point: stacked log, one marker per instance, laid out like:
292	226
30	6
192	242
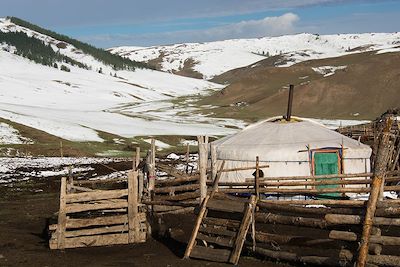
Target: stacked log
177	193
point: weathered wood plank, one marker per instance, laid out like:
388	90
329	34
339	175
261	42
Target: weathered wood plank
62	215
178	197
356	219
98	221
219	240
197	224
226	205
211	254
179	188
217	231
96	195
290	220
99	205
244	227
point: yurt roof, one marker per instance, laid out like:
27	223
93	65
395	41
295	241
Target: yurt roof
275	139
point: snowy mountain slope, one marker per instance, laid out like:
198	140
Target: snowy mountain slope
75	105
214	58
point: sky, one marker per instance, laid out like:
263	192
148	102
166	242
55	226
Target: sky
109	23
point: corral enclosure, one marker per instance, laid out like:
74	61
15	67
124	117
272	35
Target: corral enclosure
328	219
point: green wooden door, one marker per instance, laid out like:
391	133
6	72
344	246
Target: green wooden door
325	164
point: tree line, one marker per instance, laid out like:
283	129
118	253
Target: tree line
116	61
36	50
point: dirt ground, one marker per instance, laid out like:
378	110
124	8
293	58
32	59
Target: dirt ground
25	208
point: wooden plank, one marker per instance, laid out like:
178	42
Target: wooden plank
97	240
180	188
226	205
244	227
62	215
133	206
169	203
307	210
80	188
217	231
216	181
337	219
100	205
221	222
203	159
197	224
97	231
98	221
342	258
375	239
207	253
290	220
96	195
256	179
177	181
384	260
218	240
178	197
355	175
351	203
301	183
244	169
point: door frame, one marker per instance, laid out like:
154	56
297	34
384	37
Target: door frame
339	153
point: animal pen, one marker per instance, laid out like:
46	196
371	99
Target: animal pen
338	218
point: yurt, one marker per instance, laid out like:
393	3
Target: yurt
299	147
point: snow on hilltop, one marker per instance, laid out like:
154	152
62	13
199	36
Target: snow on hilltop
214	58
75	105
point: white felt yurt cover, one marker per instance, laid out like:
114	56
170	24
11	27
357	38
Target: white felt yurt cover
283	141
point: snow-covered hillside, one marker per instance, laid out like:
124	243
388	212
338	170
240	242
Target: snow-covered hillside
214	58
75	105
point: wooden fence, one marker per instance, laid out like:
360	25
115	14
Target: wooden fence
90	217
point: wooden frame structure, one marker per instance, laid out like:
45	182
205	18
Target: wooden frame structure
90	217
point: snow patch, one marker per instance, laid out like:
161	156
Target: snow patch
328	70
9	135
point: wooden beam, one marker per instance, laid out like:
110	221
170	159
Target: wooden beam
197	224
62	215
244	227
98	205
376	191
133	223
96	195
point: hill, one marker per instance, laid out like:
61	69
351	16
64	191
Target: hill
357	86
207	60
91	101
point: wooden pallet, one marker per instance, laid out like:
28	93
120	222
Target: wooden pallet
220	237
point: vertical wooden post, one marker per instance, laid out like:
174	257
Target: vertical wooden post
216	181
187	157
62	215
133	206
203	157
61	149
376	192
213	162
141	185
152	167
256	179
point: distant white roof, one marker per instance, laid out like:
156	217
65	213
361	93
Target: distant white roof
283	141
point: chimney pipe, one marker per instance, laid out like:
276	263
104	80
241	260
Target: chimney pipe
290	102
